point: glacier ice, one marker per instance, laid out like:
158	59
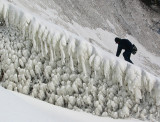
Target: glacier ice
56	66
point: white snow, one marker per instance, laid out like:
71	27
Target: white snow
16	107
80	76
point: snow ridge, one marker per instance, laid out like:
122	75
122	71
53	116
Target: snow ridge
55	66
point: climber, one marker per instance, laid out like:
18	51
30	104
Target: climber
127	46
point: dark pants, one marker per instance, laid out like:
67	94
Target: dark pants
127	55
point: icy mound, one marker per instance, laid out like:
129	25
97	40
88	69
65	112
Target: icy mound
58	67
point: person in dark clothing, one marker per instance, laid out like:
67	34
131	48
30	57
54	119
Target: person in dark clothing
127	46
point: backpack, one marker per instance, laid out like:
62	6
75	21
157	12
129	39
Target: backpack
134	49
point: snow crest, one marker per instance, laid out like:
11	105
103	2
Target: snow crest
57	67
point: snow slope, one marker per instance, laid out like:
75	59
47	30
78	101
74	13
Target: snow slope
47	62
21	108
100	22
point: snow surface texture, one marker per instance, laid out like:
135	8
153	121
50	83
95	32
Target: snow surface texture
100	22
60	68
17	107
120	17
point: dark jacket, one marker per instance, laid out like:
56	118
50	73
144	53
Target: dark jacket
124	44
